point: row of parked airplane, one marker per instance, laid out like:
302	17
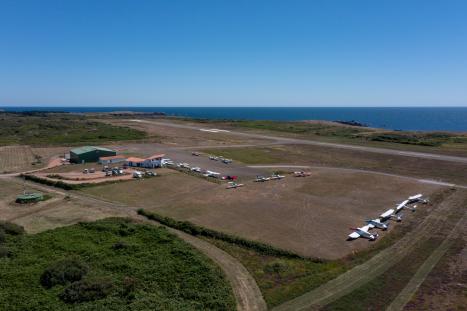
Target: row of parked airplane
382	221
273	177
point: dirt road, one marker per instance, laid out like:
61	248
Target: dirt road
384	260
284	140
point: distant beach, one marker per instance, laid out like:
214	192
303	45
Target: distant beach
395	118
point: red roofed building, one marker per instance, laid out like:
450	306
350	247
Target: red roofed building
151	162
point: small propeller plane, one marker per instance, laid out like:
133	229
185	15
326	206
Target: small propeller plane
377	223
233	185
362	233
211	174
417	198
301	174
277	176
403	205
262	179
390	214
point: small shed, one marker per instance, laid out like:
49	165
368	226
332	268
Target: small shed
29	198
90	154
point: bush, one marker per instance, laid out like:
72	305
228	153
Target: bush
2	236
63	272
276	266
4	252
87	290
11	228
128	287
119	245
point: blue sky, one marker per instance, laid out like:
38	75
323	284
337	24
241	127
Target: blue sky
233	53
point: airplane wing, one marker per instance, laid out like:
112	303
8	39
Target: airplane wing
417	196
354	235
401	206
366	228
387	213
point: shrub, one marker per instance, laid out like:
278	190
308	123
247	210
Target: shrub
119	245
2	236
276	266
4	252
128	287
63	272
11	228
87	290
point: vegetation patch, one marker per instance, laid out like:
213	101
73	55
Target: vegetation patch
37	128
282	278
381	291
66	186
80	268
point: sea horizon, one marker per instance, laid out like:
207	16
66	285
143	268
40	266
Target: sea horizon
417	118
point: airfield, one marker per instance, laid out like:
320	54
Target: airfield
310	216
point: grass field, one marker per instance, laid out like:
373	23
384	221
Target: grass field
283	277
331	157
59	129
126	266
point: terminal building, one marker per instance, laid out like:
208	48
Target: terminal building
90	154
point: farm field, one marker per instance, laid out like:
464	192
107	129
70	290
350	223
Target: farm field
15	158
109	264
309	216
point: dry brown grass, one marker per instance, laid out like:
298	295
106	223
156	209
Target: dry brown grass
310	216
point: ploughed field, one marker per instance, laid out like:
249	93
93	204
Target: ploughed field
310	216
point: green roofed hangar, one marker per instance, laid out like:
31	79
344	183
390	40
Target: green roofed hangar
89	154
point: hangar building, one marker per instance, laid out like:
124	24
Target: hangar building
89	154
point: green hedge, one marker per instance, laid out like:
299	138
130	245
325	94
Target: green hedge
196	230
66	186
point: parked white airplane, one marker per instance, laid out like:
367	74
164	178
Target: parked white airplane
403	205
417	198
262	178
377	223
363	233
211	174
390	214
277	176
233	185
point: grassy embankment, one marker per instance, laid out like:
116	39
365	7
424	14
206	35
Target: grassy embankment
112	264
282	275
59	129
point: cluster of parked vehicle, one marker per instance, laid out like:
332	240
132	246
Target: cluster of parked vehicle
115	171
139	174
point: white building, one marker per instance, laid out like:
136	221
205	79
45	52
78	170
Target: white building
151	162
112	159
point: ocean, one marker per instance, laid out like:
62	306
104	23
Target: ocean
395	118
